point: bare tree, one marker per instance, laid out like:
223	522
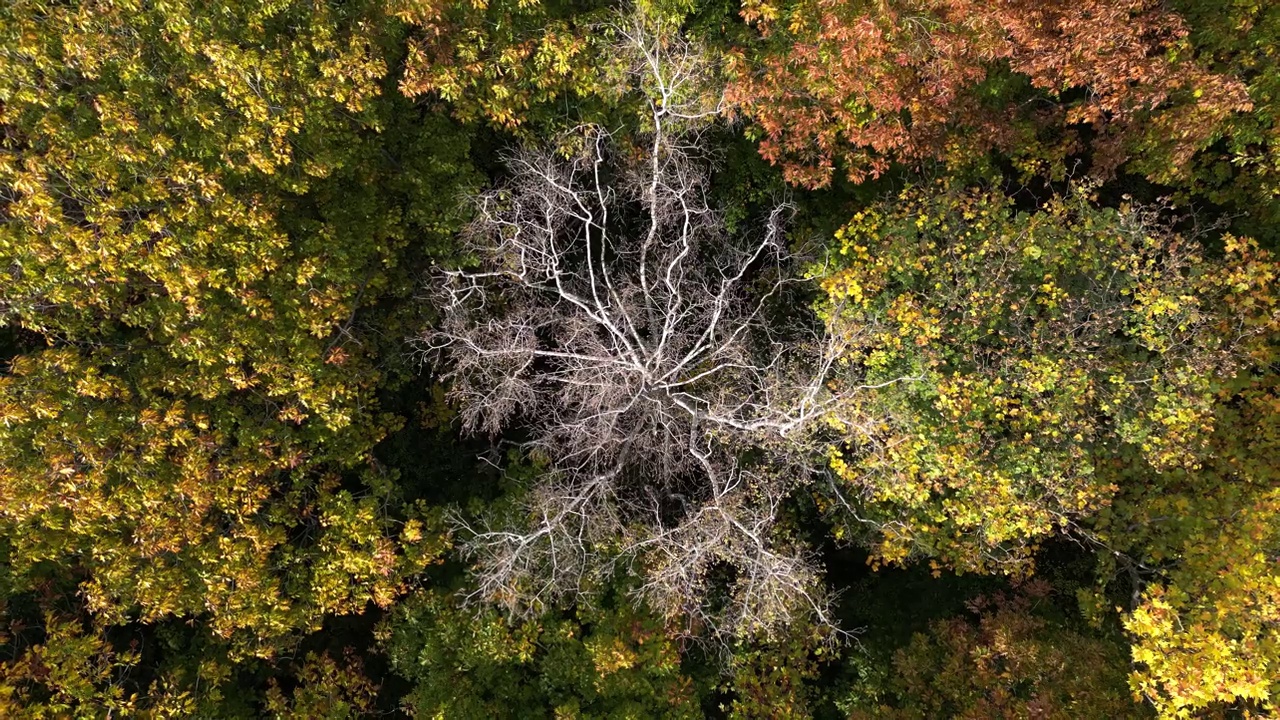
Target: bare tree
658	363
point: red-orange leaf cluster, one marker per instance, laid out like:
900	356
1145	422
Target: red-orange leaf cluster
867	84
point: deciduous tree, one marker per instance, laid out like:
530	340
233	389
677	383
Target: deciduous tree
197	214
1046	344
1194	553
516	64
640	346
1006	660
872	83
610	661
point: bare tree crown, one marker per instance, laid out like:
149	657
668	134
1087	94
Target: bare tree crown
640	346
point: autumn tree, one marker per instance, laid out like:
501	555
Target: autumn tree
79	668
1047	344
1193	560
325	688
518	65
218	226
71	670
197	216
1240	173
867	84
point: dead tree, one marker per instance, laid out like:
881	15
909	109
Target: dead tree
659	364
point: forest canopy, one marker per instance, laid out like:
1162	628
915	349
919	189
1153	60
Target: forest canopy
811	358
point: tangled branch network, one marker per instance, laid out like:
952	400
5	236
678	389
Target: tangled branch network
657	361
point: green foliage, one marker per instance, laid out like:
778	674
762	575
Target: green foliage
326	690
85	670
514	63
70	674
778	678
615	661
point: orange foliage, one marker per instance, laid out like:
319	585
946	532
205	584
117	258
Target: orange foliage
870	84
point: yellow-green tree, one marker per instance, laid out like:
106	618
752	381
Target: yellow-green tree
200	208
1001	357
513	63
1197	553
